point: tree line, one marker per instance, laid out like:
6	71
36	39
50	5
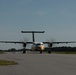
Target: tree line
61	49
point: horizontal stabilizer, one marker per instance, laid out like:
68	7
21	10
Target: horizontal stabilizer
32	31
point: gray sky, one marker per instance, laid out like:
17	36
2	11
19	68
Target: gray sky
56	17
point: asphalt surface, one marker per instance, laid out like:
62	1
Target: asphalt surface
39	64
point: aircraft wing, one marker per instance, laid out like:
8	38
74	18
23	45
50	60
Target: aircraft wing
59	42
15	42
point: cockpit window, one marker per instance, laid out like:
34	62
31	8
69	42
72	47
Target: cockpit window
38	44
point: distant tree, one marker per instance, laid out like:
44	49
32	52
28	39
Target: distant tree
12	50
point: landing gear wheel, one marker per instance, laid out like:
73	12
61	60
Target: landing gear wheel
24	51
49	52
40	52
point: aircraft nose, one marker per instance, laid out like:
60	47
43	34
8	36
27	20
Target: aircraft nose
41	47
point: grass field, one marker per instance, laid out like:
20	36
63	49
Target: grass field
1	52
7	62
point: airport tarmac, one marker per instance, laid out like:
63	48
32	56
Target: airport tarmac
39	64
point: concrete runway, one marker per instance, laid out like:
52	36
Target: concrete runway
39	64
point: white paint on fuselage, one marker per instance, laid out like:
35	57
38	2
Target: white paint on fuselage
38	46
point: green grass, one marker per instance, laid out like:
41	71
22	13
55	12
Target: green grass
6	63
1	52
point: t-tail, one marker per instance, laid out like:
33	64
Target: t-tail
33	36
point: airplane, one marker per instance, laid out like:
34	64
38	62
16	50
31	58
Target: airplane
36	46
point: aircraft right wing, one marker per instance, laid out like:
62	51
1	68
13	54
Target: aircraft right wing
16	42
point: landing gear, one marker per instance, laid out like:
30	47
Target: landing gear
24	51
40	51
49	52
24	48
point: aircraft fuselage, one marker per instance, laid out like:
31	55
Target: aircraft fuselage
38	46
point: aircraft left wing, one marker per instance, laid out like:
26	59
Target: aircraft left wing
59	42
50	44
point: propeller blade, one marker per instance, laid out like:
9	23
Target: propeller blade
24	40
51	42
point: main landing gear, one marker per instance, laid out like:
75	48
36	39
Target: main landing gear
24	51
49	52
40	51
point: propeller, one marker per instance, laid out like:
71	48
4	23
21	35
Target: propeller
51	44
24	45
24	42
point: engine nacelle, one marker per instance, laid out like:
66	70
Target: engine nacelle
24	44
50	45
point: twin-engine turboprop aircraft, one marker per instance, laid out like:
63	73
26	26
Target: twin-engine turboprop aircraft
36	46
